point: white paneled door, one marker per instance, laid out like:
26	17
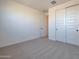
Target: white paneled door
72	24
60	25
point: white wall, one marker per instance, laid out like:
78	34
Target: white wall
51	26
19	23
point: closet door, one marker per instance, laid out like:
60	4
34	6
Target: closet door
60	25
72	24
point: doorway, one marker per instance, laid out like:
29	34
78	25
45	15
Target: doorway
46	25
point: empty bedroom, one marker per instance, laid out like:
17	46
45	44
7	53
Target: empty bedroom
39	29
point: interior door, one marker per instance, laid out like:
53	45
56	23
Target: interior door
72	24
60	25
42	27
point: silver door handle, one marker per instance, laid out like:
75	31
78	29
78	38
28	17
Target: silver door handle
77	30
41	28
56	29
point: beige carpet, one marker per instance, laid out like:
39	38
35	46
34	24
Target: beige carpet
40	49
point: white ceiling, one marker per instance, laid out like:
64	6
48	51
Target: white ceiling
42	5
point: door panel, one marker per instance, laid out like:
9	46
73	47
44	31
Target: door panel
72	24
42	27
60	25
